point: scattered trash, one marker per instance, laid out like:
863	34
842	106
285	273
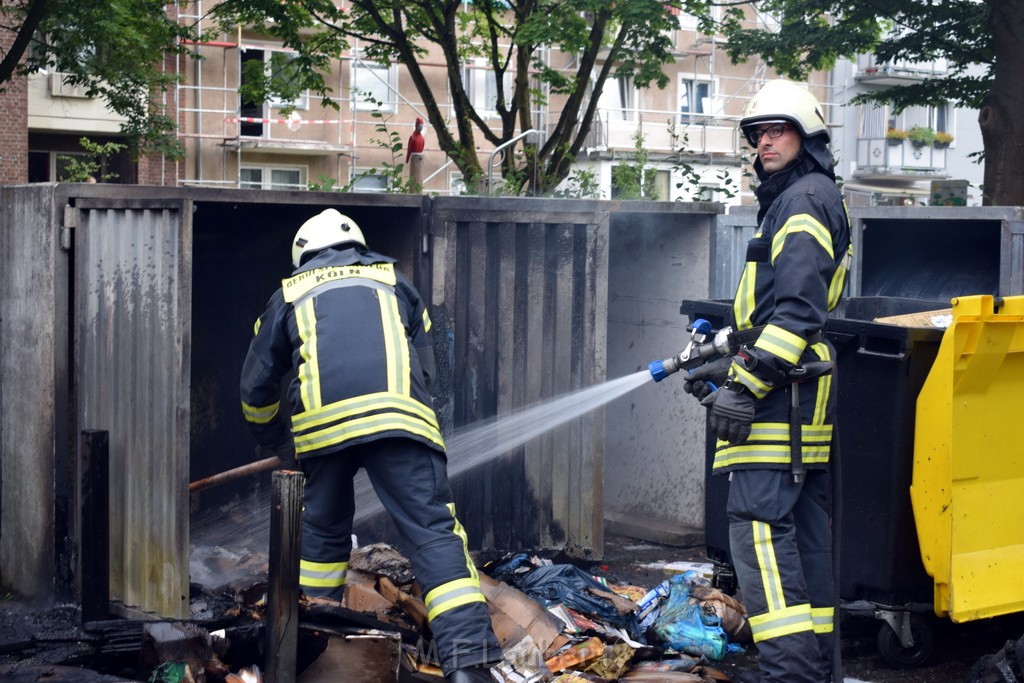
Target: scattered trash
684	624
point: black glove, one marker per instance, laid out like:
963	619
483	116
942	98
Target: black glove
286	451
732	413
696	382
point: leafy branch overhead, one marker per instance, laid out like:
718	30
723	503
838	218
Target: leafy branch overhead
114	48
533	50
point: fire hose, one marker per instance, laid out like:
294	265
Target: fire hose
235	473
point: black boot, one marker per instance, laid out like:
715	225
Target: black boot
472	674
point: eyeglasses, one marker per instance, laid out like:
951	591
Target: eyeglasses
773	131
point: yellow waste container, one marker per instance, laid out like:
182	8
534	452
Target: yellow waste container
967	488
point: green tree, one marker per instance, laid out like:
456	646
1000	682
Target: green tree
980	39
510	38
115	48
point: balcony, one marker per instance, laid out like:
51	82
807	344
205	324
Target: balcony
703	134
882	158
897	72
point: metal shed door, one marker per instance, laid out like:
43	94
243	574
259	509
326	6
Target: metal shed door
132	325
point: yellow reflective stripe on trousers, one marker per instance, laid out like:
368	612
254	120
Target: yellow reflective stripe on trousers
322	574
365	426
802	222
451	595
823	619
781	622
260	415
460	531
771	580
396	344
362	404
781	343
309	372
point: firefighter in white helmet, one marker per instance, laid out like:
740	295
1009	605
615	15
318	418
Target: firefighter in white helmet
358	335
779	510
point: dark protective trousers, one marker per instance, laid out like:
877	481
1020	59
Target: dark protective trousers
412	483
781	540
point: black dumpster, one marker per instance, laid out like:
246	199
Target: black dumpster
880	370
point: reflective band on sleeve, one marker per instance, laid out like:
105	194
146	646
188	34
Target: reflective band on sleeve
823	619
451	595
256	327
802	223
426	321
322	574
260	415
781	343
781	622
743	306
758	387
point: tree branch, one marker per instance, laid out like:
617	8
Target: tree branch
37	11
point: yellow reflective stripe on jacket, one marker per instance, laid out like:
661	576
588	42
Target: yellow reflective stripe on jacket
322	574
362	404
309	372
783	622
766	454
781	343
295	287
256	326
838	283
365	426
823	619
743	304
802	222
426	321
396	344
451	595
460	531
824	387
260	415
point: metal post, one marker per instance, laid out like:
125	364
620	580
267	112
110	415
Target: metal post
95	545
283	575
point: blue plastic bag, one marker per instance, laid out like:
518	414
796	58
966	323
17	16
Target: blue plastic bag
682	624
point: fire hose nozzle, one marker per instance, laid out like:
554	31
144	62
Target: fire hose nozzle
660	369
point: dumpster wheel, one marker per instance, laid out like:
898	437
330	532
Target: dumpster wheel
919	651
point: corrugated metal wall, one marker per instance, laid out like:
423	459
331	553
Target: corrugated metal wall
519	295
133	289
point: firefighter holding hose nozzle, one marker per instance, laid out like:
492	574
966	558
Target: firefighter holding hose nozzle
774	408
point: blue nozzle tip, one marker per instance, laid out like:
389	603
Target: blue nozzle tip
657	368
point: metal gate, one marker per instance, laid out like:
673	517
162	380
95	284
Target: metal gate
132	346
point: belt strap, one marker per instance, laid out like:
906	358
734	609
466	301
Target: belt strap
749	336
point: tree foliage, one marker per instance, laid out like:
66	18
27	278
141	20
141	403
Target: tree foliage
980	41
510	38
115	48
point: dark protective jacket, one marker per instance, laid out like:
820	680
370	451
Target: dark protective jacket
358	336
795	272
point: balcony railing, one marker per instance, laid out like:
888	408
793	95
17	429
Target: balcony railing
897	70
898	157
664	132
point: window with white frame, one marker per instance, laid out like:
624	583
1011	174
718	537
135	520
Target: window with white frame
374	86
280	68
456	184
369	182
618	99
694	100
267	177
482	86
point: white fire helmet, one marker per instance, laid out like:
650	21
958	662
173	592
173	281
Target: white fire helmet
784	100
325	229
